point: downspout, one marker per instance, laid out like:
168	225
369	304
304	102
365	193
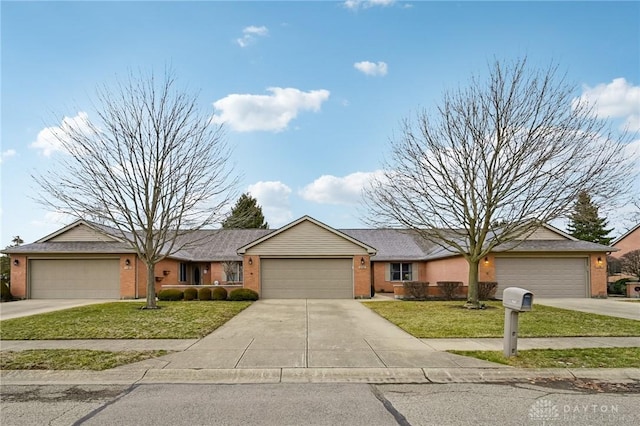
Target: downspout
136	275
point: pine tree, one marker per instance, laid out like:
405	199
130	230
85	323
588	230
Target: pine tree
246	214
585	224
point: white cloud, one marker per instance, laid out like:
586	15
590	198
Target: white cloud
329	189
246	113
273	197
250	34
365	4
53	221
371	68
618	99
49	139
7	154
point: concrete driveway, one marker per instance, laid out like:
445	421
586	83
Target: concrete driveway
24	308
612	307
312	333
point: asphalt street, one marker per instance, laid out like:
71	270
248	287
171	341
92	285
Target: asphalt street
535	403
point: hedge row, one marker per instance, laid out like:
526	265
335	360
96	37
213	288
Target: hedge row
218	293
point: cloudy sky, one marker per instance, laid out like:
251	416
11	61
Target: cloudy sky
310	92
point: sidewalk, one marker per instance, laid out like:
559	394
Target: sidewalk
441	345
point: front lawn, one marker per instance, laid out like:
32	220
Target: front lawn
124	320
449	319
71	359
564	358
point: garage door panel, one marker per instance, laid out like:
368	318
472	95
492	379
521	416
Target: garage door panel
74	279
307	279
545	277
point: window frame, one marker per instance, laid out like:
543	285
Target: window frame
183	274
404	269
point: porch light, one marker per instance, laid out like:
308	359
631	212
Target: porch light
599	261
127	262
250	261
206	270
362	261
486	260
16	262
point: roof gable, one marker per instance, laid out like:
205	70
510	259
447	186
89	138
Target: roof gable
307	236
548	232
79	231
631	231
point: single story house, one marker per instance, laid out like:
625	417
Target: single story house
304	259
625	243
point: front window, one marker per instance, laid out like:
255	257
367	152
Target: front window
401	272
233	271
183	272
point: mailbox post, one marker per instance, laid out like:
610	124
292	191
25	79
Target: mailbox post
514	300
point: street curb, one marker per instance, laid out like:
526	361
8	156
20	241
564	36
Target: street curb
312	375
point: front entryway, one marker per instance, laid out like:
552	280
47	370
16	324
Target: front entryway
307	279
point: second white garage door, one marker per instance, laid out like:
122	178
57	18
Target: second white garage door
307	279
74	279
544	277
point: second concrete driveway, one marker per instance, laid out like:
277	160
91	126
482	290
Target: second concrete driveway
312	333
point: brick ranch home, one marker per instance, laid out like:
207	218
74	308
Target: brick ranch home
304	259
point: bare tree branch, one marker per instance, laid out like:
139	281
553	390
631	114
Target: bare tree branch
151	166
494	161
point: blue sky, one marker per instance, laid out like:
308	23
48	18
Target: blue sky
327	82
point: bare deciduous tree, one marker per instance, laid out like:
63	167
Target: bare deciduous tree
630	263
494	161
152	166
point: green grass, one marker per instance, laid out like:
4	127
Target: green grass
71	359
564	358
124	320
449	319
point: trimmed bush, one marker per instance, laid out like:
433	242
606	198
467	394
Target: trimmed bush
449	288
243	294
487	290
204	294
618	287
5	293
219	293
171	295
190	293
415	290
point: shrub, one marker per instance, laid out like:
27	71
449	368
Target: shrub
243	294
219	293
618	287
5	293
171	294
204	294
449	288
415	290
487	290
190	293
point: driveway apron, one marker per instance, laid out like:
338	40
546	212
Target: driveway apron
307	333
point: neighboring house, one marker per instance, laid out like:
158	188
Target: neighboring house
304	259
627	242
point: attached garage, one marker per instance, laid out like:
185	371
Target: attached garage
74	279
544	276
307	279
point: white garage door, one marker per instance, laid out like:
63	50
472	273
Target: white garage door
544	277
307	279
74	279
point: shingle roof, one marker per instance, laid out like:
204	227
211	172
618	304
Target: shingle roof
71	248
222	245
391	244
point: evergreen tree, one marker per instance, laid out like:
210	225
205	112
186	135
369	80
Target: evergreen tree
585	224
246	214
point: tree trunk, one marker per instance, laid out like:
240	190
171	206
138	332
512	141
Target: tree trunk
472	294
151	287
